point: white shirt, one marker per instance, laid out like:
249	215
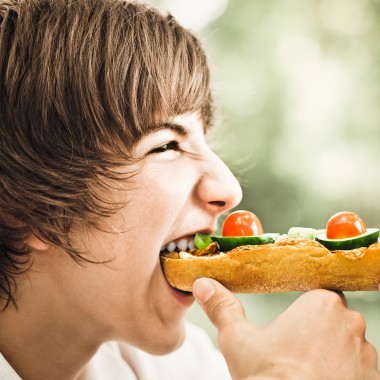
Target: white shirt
196	359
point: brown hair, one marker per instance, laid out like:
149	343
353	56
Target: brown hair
81	81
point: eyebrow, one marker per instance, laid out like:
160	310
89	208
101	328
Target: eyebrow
180	129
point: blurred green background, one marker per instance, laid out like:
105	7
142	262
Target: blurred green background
298	89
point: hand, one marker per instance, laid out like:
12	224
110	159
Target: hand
317	337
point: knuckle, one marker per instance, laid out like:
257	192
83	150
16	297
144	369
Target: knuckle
220	304
358	322
328	299
371	353
332	299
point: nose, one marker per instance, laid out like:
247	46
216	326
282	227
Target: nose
218	189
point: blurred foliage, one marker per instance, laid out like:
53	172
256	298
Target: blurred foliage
297	84
298	88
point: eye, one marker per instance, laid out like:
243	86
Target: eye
172	145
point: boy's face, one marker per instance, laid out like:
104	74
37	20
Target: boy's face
182	187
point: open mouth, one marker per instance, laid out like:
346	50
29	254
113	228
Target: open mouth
184	248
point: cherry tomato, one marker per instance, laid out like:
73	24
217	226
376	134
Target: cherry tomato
242	223
344	225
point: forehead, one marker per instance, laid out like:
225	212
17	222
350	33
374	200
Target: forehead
189	121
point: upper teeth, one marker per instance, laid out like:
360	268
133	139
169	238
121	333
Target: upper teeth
181	245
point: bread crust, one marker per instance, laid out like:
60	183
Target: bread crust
294	264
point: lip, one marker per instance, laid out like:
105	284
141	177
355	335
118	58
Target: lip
185	298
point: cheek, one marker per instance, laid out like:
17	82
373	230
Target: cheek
138	230
158	201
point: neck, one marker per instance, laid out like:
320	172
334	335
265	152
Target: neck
43	339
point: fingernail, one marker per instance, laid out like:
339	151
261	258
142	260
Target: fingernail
203	289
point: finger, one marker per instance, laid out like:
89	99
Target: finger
342	297
320	297
371	356
220	305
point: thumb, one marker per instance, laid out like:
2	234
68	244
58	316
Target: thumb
220	305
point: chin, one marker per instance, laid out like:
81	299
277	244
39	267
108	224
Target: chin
166	342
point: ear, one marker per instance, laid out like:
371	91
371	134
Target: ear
36	244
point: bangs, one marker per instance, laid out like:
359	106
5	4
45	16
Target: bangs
165	74
109	75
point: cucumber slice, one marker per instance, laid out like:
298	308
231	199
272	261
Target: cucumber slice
309	233
202	241
226	243
364	240
273	235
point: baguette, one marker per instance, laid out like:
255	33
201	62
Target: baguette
293	264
